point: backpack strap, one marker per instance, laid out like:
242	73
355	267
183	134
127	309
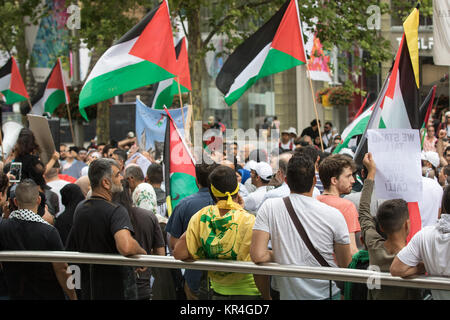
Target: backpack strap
298	225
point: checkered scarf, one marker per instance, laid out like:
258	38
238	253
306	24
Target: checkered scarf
27	215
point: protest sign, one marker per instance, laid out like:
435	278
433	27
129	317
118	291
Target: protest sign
141	161
41	130
396	153
151	127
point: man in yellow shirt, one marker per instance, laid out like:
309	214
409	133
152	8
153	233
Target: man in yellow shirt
223	231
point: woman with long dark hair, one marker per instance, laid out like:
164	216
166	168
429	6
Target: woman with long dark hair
147	233
71	196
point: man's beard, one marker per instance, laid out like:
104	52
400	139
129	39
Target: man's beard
116	188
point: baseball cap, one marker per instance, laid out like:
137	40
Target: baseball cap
447	114
292	130
348	152
264	170
432	157
251	165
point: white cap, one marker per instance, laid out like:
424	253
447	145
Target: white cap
432	157
348	152
264	170
251	165
292	130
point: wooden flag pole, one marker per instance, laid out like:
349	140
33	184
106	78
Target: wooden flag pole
70	123
315	107
1	144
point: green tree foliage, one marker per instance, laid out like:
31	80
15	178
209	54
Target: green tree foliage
338	23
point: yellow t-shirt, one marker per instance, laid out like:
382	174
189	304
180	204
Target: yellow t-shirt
228	237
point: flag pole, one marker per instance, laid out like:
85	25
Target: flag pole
315	107
1	144
70	123
181	102
29	103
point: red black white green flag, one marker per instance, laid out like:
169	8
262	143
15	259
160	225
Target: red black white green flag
277	46
164	91
397	107
12	87
143	56
53	92
179	166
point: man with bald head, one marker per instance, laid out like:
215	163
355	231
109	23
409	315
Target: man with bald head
84	184
26	230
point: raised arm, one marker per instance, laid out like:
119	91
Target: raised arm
366	220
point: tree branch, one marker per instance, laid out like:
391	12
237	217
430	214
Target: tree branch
182	24
221	22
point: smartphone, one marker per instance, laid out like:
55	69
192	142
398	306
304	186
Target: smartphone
16	171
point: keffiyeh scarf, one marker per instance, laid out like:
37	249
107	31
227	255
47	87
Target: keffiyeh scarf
27	215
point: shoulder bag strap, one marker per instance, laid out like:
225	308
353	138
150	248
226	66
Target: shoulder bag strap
298	225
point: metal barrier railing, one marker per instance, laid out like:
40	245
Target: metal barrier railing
323	273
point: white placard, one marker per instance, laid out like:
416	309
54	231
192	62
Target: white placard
396	153
142	162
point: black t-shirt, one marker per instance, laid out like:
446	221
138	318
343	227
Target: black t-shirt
30	280
149	236
94	224
310	132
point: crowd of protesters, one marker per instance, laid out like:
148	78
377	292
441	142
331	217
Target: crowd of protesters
249	206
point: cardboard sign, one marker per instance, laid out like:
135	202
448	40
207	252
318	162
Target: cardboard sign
41	130
396	153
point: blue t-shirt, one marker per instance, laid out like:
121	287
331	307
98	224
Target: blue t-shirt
178	223
75	169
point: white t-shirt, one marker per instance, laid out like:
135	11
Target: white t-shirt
56	187
324	225
431	201
254	199
432	246
287	146
84	171
283	191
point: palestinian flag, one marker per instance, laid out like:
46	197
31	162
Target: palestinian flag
363	108
53	92
425	111
167	89
359	125
179	166
12	87
427	105
277	46
143	56
398	106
